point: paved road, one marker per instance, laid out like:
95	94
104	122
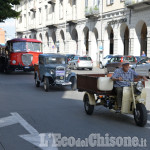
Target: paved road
58	111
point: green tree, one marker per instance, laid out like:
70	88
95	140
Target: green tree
7	9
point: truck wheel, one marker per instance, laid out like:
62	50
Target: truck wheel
37	83
141	116
73	80
89	109
46	84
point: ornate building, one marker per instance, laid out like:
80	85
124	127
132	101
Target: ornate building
87	27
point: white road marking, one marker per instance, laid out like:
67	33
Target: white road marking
34	136
25	124
7	121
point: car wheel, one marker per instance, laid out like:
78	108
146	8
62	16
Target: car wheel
46	84
101	66
140	116
89	109
73	80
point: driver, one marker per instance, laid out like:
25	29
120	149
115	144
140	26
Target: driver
124	73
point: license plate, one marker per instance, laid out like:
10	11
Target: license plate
60	73
26	67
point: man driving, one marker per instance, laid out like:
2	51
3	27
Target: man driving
121	74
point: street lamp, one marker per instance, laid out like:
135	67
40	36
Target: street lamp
57	45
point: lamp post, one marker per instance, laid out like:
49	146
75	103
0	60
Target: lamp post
57	45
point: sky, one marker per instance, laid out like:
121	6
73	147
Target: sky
9	27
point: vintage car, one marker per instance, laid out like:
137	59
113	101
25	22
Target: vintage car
53	70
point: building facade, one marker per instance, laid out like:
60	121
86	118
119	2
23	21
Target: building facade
2	36
87	27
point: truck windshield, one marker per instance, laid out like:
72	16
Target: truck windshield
26	46
55	60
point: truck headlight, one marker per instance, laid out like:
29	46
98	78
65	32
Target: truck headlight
52	71
139	86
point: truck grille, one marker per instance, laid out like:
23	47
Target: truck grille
27	59
60	73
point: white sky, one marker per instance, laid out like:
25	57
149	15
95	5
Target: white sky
9	27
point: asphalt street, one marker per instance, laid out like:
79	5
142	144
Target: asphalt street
58	111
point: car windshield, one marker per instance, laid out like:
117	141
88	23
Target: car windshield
130	59
55	60
115	59
85	58
143	61
26	46
108	56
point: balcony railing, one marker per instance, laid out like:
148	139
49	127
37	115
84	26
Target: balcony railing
130	3
92	12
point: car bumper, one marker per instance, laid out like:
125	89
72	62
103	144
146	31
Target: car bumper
63	83
19	67
85	66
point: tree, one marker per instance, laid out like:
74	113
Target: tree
7	9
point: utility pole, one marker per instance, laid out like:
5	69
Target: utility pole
102	45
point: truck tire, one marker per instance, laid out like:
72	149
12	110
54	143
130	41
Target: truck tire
73	80
141	116
89	109
46	84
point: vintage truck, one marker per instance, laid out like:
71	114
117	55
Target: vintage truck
53	70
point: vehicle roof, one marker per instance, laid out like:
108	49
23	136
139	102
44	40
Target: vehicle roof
24	40
123	56
52	55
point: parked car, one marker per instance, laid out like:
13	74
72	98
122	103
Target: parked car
80	62
116	62
105	60
142	67
53	70
70	57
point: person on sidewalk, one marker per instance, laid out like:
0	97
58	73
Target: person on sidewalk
121	74
143	54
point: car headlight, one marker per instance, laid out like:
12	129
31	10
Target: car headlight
68	72
139	86
52	71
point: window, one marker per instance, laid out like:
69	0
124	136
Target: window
96	2
73	2
110	2
61	9
41	60
86	3
40	16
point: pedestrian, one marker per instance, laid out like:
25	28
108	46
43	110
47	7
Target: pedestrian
143	54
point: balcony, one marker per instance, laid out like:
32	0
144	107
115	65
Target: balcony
32	27
92	12
52	2
50	23
137	3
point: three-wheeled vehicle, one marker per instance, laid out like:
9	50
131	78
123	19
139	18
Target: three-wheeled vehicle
53	70
99	91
